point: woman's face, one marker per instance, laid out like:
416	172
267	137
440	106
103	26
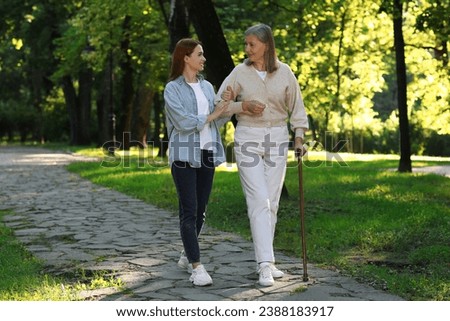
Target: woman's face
196	60
255	49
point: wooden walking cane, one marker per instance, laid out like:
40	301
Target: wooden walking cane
302	213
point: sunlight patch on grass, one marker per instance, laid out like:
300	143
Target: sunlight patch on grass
227	167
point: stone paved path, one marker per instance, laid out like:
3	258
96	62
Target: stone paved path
71	224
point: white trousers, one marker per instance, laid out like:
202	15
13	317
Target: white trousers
261	156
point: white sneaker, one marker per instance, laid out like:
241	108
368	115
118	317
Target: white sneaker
183	263
200	277
276	274
265	275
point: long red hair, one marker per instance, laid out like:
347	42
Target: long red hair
183	48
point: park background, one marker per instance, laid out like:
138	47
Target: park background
374	74
374	77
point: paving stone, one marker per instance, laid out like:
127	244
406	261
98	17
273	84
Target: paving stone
147	261
152	287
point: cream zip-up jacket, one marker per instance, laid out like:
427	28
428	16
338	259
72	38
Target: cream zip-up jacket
280	92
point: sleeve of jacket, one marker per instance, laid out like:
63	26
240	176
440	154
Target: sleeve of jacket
222	119
234	107
294	102
178	114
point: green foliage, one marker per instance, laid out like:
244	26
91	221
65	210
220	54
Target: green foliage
97	29
433	17
340	50
17	116
55	122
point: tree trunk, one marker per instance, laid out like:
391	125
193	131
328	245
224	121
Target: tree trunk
39	89
84	107
178	23
104	108
127	87
79	107
210	33
70	97
178	29
141	117
209	30
399	43
162	144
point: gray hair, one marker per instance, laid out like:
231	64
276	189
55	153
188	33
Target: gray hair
264	34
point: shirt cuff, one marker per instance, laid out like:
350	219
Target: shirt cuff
234	108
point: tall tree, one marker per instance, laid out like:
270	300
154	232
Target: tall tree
178	22
78	106
219	62
399	44
127	95
178	25
209	30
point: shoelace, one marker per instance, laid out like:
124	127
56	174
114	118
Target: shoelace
266	272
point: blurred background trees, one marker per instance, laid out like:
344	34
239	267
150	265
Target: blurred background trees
89	72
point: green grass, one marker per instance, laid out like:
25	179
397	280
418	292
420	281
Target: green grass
385	228
23	278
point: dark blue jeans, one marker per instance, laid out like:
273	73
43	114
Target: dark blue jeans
193	188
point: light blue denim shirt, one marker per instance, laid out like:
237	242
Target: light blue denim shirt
184	124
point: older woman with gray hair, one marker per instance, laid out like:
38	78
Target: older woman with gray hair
269	95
